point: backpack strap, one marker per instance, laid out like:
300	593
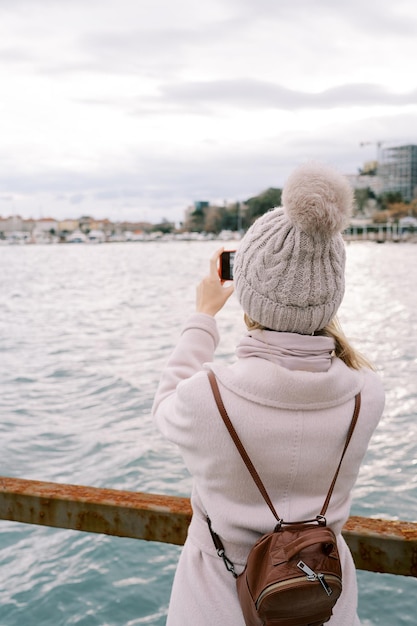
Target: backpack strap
241	449
348	438
239	445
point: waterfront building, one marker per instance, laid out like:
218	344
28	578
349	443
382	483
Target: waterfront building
398	170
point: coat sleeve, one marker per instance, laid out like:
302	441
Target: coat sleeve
196	346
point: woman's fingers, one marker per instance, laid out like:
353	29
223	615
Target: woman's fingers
214	263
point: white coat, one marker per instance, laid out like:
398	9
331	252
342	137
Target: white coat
293	424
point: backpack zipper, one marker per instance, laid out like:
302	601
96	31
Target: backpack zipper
294	582
311	575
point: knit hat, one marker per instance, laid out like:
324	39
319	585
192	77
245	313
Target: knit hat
289	268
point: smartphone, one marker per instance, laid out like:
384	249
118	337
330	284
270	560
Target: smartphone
227	259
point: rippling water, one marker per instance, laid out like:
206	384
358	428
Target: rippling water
84	334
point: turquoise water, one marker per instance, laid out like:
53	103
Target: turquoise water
84	334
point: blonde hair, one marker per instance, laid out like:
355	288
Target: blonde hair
343	349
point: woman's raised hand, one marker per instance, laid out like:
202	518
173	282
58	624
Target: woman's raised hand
212	294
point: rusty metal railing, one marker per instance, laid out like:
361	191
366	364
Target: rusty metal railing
377	545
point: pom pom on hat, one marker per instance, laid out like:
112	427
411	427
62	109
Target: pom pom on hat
289	267
318	200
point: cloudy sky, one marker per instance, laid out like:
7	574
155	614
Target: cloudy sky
133	109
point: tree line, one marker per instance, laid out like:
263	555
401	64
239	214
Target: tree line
234	216
239	216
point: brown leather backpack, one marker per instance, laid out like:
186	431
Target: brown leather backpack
293	575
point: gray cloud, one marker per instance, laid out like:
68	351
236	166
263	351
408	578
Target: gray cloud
146	51
384	16
162	50
255	94
204	98
77	198
119	194
139	52
15	55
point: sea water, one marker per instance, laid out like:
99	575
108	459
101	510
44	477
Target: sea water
84	333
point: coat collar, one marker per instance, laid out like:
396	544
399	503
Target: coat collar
270	384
